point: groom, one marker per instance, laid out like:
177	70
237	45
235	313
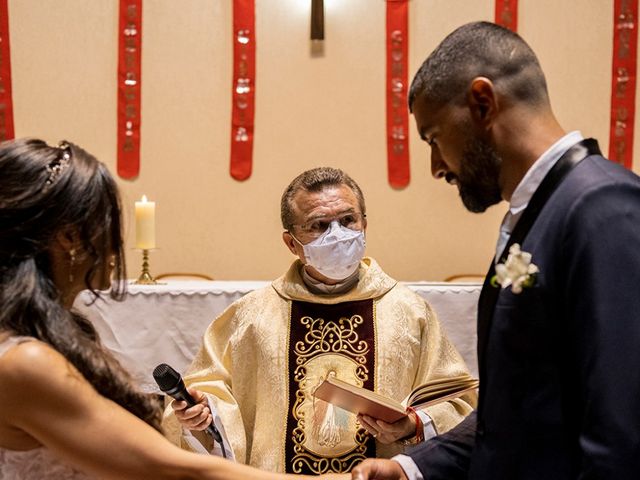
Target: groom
559	325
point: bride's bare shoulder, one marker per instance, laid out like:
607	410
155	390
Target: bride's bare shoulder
32	364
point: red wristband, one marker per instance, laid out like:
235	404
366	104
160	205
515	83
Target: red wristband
419	436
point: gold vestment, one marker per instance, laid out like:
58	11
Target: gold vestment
244	367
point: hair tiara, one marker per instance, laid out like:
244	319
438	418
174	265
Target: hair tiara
57	165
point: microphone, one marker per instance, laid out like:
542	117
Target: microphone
171	383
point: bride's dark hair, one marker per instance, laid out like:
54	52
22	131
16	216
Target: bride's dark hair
45	189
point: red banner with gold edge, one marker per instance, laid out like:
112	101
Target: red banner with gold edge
129	87
507	14
623	81
244	87
6	99
397	78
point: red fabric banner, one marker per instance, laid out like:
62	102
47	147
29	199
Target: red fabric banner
244	88
129	87
397	79
6	101
507	14
623	81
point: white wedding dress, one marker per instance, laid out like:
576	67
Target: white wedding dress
36	464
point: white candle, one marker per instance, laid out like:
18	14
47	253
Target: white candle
145	224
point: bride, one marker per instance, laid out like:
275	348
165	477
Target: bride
68	410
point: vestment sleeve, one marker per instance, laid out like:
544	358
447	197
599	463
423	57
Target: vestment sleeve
440	359
210	374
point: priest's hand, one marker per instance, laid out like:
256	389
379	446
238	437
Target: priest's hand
378	469
197	417
389	432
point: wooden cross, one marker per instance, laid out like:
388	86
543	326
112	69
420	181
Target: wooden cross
317	19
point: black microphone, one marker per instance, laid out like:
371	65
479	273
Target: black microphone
171	383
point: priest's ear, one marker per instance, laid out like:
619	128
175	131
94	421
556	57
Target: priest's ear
290	242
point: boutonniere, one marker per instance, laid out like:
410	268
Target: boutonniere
517	271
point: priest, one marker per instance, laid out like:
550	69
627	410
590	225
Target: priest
334	312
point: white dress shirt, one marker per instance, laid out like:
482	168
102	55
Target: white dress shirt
530	183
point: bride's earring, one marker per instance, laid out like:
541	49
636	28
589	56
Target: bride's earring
72	263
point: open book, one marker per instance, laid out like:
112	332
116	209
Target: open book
360	400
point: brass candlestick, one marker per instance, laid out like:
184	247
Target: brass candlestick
145	277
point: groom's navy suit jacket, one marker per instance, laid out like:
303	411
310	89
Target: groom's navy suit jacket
560	362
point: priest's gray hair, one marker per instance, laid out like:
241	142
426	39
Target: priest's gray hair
316	180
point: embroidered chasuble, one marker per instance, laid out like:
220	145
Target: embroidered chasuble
263	356
328	340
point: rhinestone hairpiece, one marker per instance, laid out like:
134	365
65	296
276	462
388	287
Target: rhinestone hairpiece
57	165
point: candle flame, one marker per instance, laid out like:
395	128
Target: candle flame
144	199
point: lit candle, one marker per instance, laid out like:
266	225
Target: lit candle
145	224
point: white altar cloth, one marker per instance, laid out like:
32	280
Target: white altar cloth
165	323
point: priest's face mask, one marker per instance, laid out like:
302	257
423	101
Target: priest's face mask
328	235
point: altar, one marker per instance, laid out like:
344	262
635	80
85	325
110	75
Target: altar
165	323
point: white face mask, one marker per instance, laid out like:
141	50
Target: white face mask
336	253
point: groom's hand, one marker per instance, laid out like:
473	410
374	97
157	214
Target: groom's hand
378	469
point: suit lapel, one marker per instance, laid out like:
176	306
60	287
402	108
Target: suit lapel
489	293
486	304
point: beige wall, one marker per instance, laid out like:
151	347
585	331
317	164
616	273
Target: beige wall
310	111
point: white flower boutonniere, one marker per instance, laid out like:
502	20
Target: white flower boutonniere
517	272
